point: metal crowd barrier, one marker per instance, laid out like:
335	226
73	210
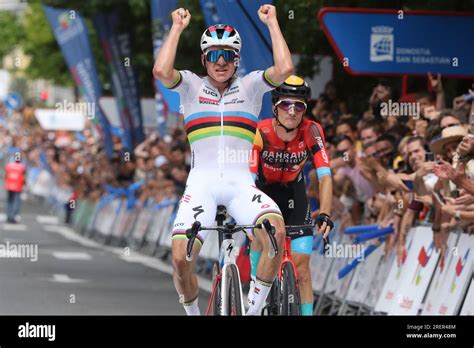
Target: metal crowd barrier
422	285
343	284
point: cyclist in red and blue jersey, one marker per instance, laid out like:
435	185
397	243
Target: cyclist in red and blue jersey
281	148
220	115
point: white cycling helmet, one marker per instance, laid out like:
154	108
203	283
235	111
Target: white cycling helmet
220	35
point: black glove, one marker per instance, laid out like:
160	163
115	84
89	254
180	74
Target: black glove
322	217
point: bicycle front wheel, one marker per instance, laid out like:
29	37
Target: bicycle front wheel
216	296
290	296
234	298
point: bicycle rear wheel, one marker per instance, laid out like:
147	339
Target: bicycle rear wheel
234	298
273	307
290	303
216	299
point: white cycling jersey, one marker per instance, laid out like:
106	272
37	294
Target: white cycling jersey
221	130
221	127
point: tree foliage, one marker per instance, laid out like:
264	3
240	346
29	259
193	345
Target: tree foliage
297	19
11	33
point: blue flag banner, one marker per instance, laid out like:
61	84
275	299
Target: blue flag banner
396	42
161	24
117	50
71	34
256	51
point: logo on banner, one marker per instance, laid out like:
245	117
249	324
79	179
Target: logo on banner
459	268
381	44
68	28
64	20
423	258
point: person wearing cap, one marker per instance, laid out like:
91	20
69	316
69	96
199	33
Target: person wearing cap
220	116
445	148
281	148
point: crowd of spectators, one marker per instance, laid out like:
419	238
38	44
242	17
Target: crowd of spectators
78	163
402	166
392	168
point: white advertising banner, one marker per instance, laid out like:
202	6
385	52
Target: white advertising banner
468	306
389	290
361	284
439	278
380	277
52	119
458	277
420	265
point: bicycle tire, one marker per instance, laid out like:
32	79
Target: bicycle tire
272	307
234	299
216	300
290	303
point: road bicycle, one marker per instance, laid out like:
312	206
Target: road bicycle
226	296
284	297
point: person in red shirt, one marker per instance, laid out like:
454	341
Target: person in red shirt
14	181
282	145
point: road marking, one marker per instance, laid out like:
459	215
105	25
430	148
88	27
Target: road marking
47	219
13	227
66	255
3	217
64	278
70	234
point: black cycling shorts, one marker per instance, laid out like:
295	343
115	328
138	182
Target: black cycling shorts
293	203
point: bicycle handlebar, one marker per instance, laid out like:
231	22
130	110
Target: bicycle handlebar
191	234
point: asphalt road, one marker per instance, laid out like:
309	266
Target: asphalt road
75	276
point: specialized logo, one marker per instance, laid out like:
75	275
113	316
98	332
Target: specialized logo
230	248
257	198
381	44
198	211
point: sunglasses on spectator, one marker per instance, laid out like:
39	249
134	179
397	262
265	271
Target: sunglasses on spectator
213	56
286	104
451	125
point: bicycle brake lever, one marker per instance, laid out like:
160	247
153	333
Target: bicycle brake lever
191	234
273	251
325	245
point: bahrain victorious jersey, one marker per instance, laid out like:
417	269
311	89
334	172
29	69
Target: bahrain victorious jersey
274	160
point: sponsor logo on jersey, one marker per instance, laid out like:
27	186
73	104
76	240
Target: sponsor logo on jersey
323	150
231	92
209	92
284	157
235	101
203	100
